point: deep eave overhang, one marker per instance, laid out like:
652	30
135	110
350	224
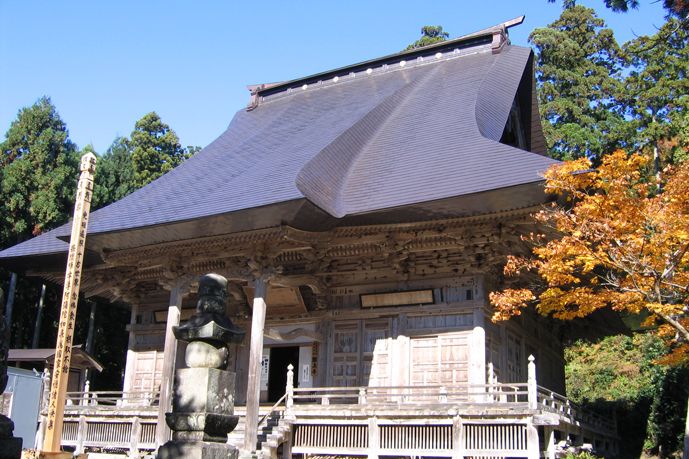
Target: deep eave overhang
299	213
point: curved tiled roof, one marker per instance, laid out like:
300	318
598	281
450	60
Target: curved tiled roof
363	141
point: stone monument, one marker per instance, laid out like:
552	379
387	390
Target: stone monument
10	446
203	394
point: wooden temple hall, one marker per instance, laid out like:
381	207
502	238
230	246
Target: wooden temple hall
372	208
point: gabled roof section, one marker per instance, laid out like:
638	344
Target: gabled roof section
412	128
80	358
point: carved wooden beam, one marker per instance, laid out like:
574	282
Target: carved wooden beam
310	280
275	334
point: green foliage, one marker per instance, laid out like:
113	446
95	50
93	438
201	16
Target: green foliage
129	164
620	373
115	174
655	95
581	455
429	35
38	176
155	149
668	412
578	73
674	8
618	368
39	168
596	97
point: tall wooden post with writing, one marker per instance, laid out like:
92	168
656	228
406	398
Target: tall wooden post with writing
70	297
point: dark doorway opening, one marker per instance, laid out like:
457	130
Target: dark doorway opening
280	357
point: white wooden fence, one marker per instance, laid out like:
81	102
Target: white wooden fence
488	420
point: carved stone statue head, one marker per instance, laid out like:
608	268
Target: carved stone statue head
210	322
212	294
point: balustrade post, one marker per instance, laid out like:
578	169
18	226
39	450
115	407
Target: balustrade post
491	381
134	438
81	435
532	441
362	396
532	384
45	399
289	390
549	433
373	438
458	451
87	389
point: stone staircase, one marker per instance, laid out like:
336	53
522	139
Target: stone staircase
272	433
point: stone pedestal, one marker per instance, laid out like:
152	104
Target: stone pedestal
10	447
197	450
203	394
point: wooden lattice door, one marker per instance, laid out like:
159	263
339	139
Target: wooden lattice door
439	360
360	353
346	356
148	370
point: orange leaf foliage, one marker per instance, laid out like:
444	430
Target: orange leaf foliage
620	242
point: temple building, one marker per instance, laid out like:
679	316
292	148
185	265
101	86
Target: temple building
370	210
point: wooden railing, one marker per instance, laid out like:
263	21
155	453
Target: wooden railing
110	420
112	400
555	403
127	421
110	431
494	394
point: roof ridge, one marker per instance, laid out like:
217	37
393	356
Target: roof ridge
497	36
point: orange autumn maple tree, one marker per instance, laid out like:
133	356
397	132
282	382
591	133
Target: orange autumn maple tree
620	240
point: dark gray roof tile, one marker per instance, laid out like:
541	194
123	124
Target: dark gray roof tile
397	137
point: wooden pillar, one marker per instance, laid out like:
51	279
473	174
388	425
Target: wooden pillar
289	392
169	359
39	319
70	296
9	306
458	451
134	438
82	431
532	384
89	342
549	433
92	326
477	364
532	443
129	365
253	389
373	438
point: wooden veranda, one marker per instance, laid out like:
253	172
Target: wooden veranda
490	420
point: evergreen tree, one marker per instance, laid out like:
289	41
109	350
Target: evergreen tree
155	149
578	72
429	35
675	8
115	177
38	176
655	94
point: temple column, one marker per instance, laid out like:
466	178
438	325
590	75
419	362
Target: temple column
178	289
477	358
129	366
253	390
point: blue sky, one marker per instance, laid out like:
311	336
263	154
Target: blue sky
107	63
